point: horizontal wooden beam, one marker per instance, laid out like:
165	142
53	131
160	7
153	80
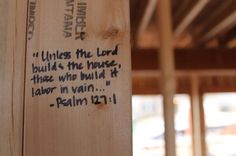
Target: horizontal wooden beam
187	59
150	84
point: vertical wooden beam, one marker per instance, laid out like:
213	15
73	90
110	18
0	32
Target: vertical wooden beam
78	52
198	123
5	108
12	65
167	73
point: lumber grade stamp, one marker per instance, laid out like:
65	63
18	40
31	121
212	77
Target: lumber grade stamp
78	85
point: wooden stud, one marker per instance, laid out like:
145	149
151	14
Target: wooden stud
89	111
198	124
167	73
12	65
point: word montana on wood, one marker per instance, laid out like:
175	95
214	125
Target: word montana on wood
78	85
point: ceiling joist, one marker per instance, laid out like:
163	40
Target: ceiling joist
186	21
151	6
224	25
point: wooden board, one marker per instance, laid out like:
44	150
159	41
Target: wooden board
12	66
78	83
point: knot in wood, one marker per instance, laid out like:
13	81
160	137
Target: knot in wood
110	33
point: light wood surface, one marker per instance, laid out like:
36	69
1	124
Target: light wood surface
12	65
167	73
54	129
198	120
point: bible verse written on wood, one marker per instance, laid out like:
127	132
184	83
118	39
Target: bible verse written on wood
78	74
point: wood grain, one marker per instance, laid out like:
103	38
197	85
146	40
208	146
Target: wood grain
87	130
12	65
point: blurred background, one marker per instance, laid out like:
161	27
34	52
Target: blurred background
220	120
204	45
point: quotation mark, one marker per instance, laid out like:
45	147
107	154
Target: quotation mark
36	54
